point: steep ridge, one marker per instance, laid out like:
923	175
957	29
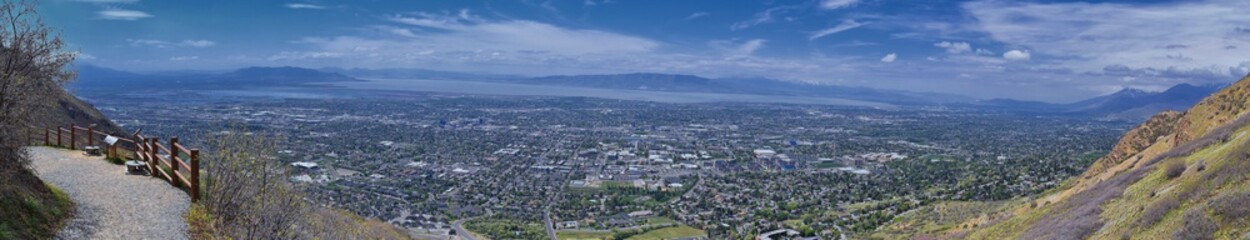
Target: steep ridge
1163	179
72	110
1134	141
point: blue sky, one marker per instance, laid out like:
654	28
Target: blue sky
1056	51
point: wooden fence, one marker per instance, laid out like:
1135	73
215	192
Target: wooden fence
173	162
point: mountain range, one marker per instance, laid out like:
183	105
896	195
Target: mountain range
1127	104
104	79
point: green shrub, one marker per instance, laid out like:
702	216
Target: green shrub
1174	169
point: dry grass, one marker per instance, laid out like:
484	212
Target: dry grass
1157	210
200	223
1232	207
1197	226
936	219
247	197
1080	212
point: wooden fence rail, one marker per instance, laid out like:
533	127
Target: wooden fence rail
173	162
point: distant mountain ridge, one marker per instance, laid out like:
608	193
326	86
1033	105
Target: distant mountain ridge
1127	104
414	73
1178	97
757	86
98	78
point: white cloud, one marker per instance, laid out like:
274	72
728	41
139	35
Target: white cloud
889	58
763	17
467	32
1016	55
304	6
147	43
197	43
84	56
845	25
446	21
1091	36
697	15
107	1
856	43
165	44
123	14
836	4
593	2
751	46
954	47
184	58
398	31
300	56
464	42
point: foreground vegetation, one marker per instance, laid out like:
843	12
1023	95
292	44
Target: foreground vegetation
29	209
670	233
500	228
31	78
645	233
1179	176
247	197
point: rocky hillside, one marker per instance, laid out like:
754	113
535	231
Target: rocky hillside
72	110
1178	176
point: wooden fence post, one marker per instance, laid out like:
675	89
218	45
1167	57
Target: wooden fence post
173	160
195	175
152	156
47	133
90	136
147	155
72	137
58	136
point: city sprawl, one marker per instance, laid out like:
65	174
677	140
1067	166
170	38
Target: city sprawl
513	165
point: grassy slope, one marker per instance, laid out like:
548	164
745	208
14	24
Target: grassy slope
937	219
582	235
330	223
1143	152
670	233
1119	214
30	209
1225	172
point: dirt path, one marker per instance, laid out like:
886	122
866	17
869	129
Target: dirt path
111	204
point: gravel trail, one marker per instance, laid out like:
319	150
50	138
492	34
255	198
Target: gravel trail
111	204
